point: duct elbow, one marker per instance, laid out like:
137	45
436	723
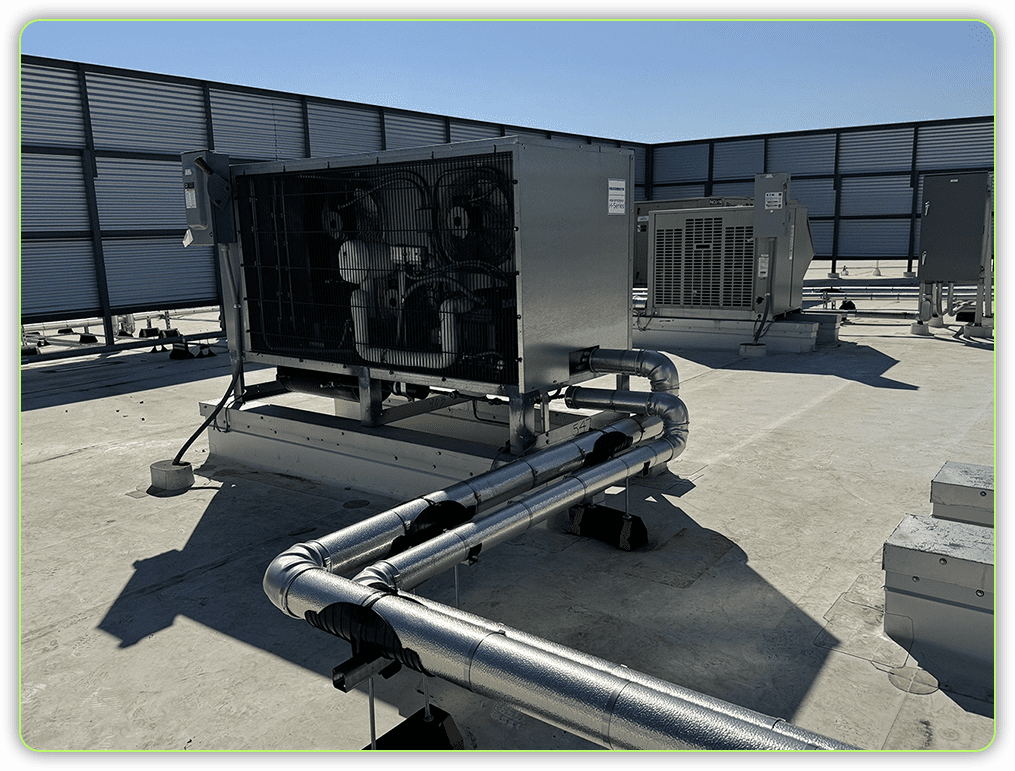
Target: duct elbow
659	368
285	569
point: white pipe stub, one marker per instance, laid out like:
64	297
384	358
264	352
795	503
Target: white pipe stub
169	475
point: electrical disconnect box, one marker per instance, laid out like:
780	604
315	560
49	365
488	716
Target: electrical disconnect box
729	258
955	227
207	198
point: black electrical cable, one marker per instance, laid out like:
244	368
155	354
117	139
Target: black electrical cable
209	419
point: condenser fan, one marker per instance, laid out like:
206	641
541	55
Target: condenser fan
353	215
475	216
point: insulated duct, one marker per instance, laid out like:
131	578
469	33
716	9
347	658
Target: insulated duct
602	702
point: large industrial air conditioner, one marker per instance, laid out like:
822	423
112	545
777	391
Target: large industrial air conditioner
487	268
726	258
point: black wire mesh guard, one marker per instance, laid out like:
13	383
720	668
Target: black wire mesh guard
407	265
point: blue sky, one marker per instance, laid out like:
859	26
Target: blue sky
639	80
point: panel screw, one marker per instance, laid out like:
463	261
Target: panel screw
943	561
979	592
916	578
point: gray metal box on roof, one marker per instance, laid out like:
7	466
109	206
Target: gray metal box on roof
954	226
964	492
939	595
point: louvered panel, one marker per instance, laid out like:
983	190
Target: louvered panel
738	267
874	238
723	189
702	261
680	163
640	163
342	129
667	270
741	158
51	107
139	195
410	130
58	278
257	126
952	147
865	196
466	131
880	150
145	114
158	273
527	134
52	194
801	155
818	195
677	192
822	237
567	139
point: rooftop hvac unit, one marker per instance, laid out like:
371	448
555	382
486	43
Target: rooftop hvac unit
728	258
490	267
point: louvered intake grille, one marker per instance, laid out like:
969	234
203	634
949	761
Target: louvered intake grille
705	263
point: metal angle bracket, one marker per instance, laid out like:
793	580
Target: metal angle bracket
360	668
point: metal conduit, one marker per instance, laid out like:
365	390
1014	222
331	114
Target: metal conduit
602	702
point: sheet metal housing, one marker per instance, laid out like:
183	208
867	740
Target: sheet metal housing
376	263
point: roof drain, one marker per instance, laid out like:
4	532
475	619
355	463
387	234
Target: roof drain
599	701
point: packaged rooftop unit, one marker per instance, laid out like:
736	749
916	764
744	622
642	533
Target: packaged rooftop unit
728	258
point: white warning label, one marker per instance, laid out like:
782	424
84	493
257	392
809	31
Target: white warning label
616	196
773	200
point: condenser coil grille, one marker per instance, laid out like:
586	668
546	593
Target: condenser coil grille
409	265
704	263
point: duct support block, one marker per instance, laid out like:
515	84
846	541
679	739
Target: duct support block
752	350
418	732
169	476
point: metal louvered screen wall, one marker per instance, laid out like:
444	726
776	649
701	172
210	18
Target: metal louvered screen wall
862	186
102	207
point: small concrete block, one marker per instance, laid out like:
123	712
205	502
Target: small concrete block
752	350
167	475
920	329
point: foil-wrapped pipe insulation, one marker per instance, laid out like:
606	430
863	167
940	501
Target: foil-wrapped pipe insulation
603	702
614	707
360	544
657	367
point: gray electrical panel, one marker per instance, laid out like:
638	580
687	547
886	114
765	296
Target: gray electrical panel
954	227
772	212
207	198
